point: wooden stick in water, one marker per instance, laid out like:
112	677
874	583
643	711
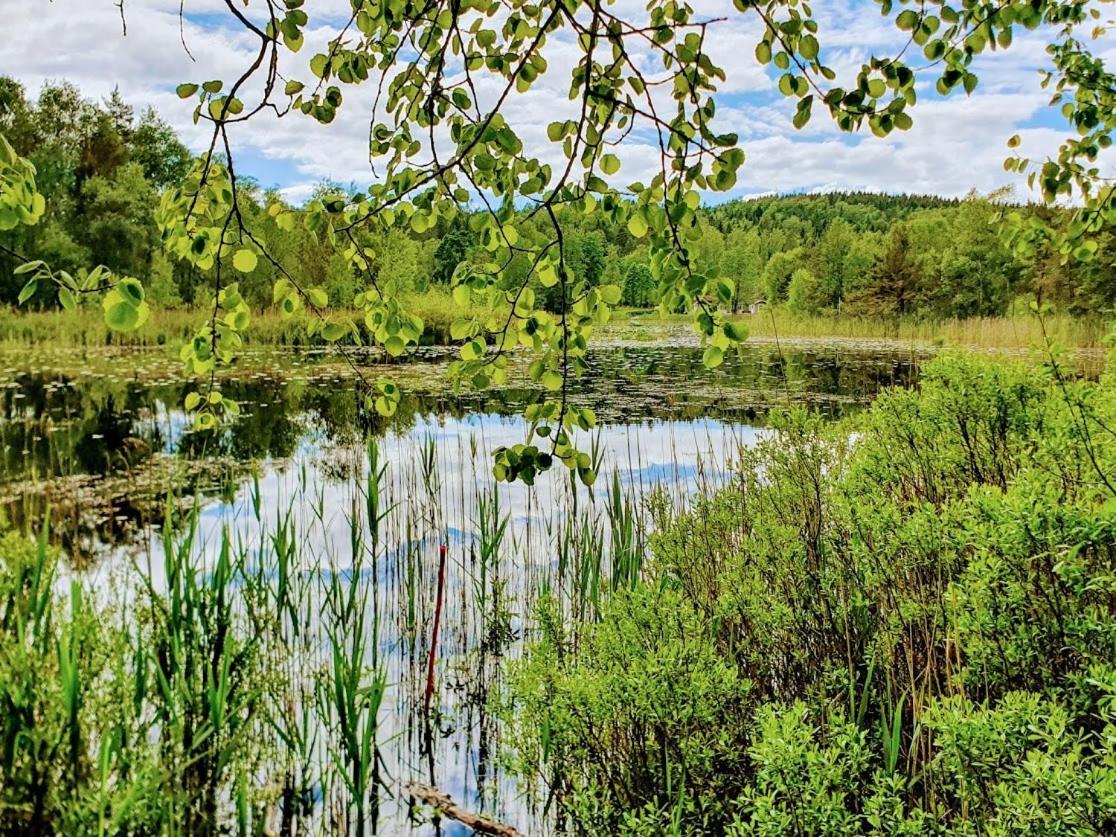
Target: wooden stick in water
444	803
434	634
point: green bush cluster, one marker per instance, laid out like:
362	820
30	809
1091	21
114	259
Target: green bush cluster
903	623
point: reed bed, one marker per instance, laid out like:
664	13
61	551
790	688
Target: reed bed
286	659
1021	331
174	326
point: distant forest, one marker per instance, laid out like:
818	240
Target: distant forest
102	168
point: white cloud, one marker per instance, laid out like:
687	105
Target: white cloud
956	144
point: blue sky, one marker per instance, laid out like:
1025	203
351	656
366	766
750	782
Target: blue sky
957	144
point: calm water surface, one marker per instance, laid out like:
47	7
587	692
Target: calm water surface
103	444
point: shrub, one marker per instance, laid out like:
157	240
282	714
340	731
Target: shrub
921	602
642	718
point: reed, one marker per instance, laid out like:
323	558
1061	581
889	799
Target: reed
1020	331
174	326
279	668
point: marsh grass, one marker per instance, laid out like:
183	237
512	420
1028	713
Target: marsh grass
286	665
1021	331
174	326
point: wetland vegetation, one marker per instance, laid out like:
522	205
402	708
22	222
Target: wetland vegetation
498	496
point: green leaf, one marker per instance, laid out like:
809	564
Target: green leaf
122	316
245	260
552	380
66	298
610	164
185	91
907	20
334	332
610	293
713	357
637	225
548	275
130	290
460	329
28	291
472	350
736	332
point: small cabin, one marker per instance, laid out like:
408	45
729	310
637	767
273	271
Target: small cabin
757	306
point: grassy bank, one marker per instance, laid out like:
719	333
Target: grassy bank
1018	331
172	326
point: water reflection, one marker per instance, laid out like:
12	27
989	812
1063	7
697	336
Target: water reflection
56	424
106	451
560	539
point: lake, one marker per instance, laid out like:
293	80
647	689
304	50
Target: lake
400	515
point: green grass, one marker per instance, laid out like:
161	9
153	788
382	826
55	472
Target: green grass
173	326
1018	331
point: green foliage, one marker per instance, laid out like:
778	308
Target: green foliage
895	285
920	601
641	713
20	203
192	701
443	153
778	272
639	286
805	293
156	148
451	251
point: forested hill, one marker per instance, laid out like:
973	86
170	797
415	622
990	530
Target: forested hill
863	211
102	168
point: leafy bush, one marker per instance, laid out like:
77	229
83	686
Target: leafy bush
921	602
639	715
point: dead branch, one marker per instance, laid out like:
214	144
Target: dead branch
445	805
